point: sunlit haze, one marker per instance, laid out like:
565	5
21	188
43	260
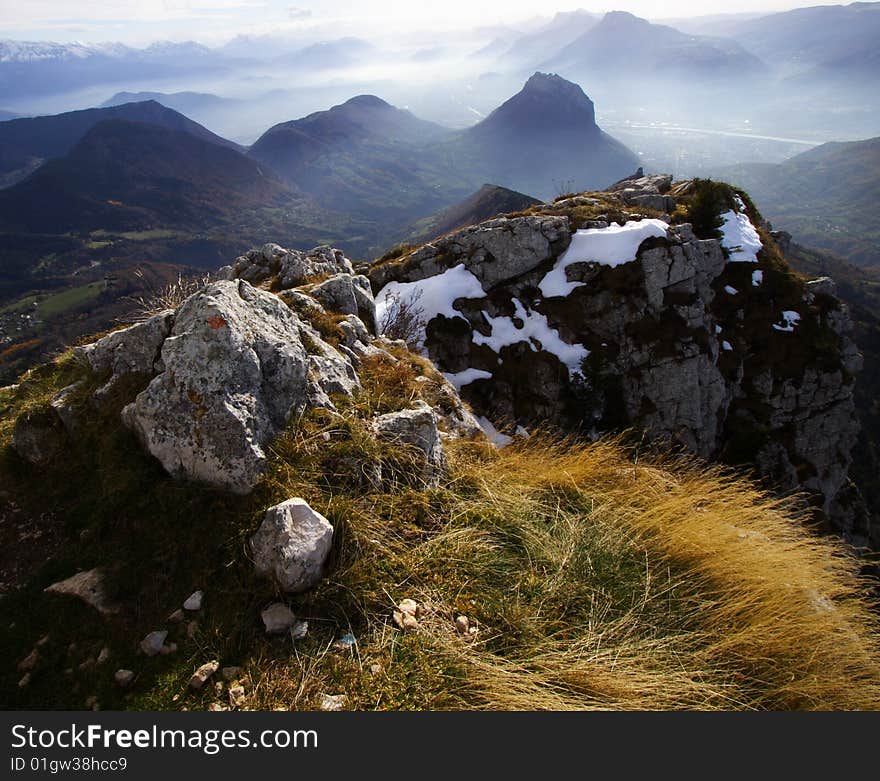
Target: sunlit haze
140	22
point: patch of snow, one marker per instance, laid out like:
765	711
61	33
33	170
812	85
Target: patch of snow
739	237
732	291
438	294
757	278
535	328
790	319
493	434
611	246
466	377
726	346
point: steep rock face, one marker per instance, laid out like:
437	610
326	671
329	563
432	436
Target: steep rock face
643	324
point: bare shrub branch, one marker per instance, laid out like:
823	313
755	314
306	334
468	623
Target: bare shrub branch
159	299
403	318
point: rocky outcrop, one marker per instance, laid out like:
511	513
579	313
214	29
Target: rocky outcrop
289	267
230	368
642	324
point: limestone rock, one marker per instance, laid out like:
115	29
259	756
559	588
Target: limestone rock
332	702
655	343
194	601
237	697
89	586
290	267
495	251
234	371
292	544
132	350
38	437
277	618
417	429
153	643
202	674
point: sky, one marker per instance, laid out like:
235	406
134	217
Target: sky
139	22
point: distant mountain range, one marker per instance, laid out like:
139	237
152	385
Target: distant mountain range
364	156
144	167
826	197
543	141
25	144
804	38
125	175
367	156
622	45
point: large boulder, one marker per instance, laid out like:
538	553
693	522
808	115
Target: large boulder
292	544
494	251
234	369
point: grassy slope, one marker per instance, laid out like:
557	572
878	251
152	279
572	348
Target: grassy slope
597	579
825	197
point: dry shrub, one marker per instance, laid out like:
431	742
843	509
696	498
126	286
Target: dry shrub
160	299
403	318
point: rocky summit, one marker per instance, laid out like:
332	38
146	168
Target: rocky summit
606	311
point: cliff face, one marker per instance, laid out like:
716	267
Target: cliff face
631	321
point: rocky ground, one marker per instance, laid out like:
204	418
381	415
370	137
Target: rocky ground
255	499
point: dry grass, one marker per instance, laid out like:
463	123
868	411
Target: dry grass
160	299
596	579
595	584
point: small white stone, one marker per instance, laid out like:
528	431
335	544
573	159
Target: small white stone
123	678
408	607
332	702
104	655
200	676
194	601
277	618
299	630
236	696
152	644
177	617
168	648
462	625
25	680
405	621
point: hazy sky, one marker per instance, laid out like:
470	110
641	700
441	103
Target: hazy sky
213	21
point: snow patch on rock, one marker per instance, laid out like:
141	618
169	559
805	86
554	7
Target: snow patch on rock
611	246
